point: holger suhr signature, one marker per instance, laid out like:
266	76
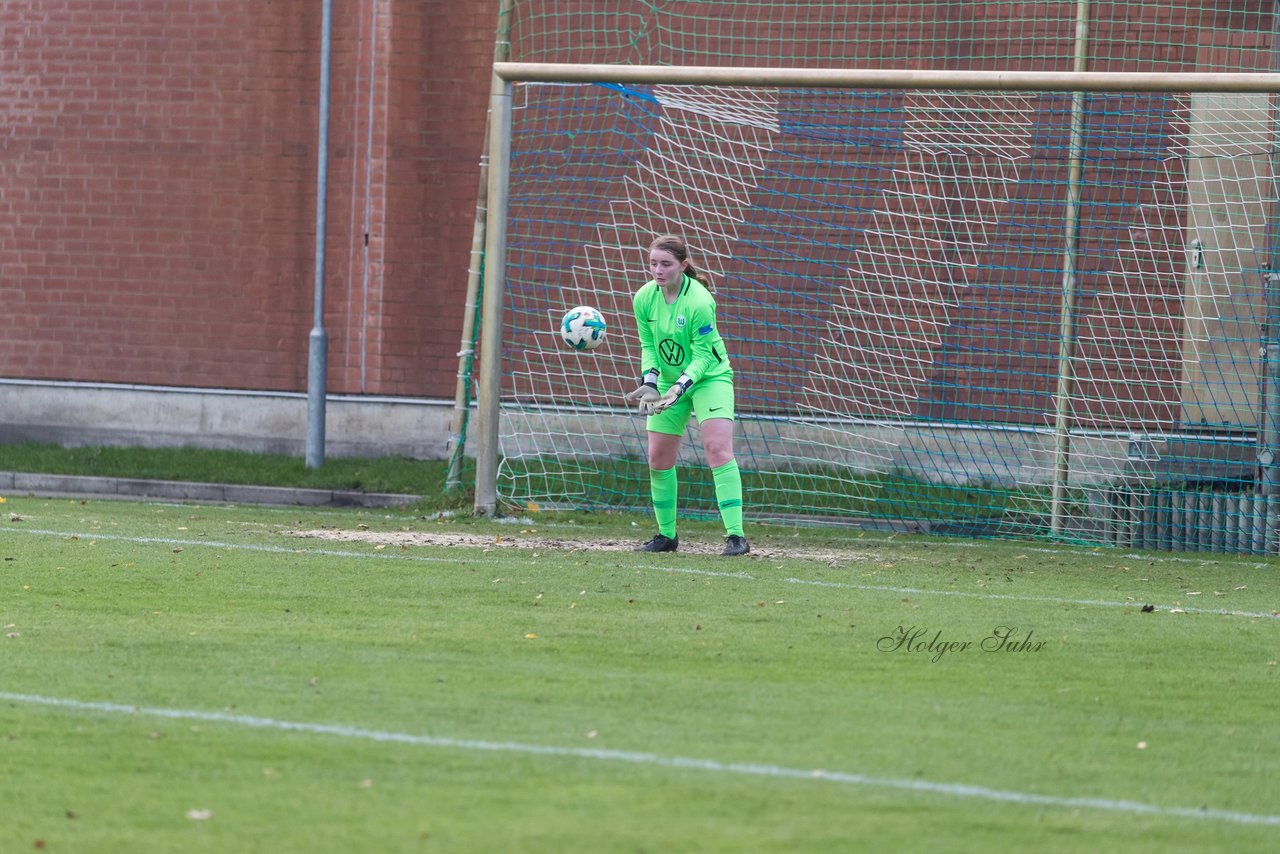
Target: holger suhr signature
932	643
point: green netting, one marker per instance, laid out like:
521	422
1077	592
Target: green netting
895	267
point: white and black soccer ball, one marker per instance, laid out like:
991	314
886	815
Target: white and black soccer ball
583	328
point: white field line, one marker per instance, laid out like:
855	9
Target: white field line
960	790
878	588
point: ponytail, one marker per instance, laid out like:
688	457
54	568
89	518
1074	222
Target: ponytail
702	276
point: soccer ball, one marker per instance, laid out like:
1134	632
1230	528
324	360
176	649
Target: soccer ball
583	328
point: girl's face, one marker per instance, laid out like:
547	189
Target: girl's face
664	267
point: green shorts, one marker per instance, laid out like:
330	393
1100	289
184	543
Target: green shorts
707	399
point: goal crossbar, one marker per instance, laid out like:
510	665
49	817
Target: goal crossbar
891	78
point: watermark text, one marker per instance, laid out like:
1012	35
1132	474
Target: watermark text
935	645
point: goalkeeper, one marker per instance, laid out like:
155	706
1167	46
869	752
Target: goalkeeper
685	370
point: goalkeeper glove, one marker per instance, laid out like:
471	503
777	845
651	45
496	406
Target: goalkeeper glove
678	388
647	393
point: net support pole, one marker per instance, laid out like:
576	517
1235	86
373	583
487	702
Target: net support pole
495	253
1067	320
1267	476
475	280
318	341
1268	451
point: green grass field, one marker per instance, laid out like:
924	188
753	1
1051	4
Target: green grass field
183	678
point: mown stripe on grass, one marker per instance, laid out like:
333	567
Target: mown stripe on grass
246	547
960	790
879	588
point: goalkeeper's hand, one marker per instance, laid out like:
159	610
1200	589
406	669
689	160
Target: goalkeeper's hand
656	406
671	395
645	395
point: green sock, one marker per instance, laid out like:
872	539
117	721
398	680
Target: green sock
729	495
664	487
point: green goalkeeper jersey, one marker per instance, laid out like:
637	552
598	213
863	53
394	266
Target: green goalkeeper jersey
679	338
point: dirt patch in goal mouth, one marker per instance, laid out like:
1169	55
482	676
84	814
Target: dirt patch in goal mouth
514	540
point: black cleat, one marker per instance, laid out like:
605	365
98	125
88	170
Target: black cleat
659	543
735	545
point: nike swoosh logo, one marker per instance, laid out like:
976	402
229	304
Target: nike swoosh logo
716	408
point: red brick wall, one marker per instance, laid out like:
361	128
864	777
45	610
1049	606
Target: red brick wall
157	190
158	161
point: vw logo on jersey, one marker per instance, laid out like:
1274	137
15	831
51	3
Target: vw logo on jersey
671	352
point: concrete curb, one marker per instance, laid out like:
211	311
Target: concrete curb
76	486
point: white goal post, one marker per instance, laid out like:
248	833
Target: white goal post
506	75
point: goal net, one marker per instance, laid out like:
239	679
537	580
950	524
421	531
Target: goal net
973	310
